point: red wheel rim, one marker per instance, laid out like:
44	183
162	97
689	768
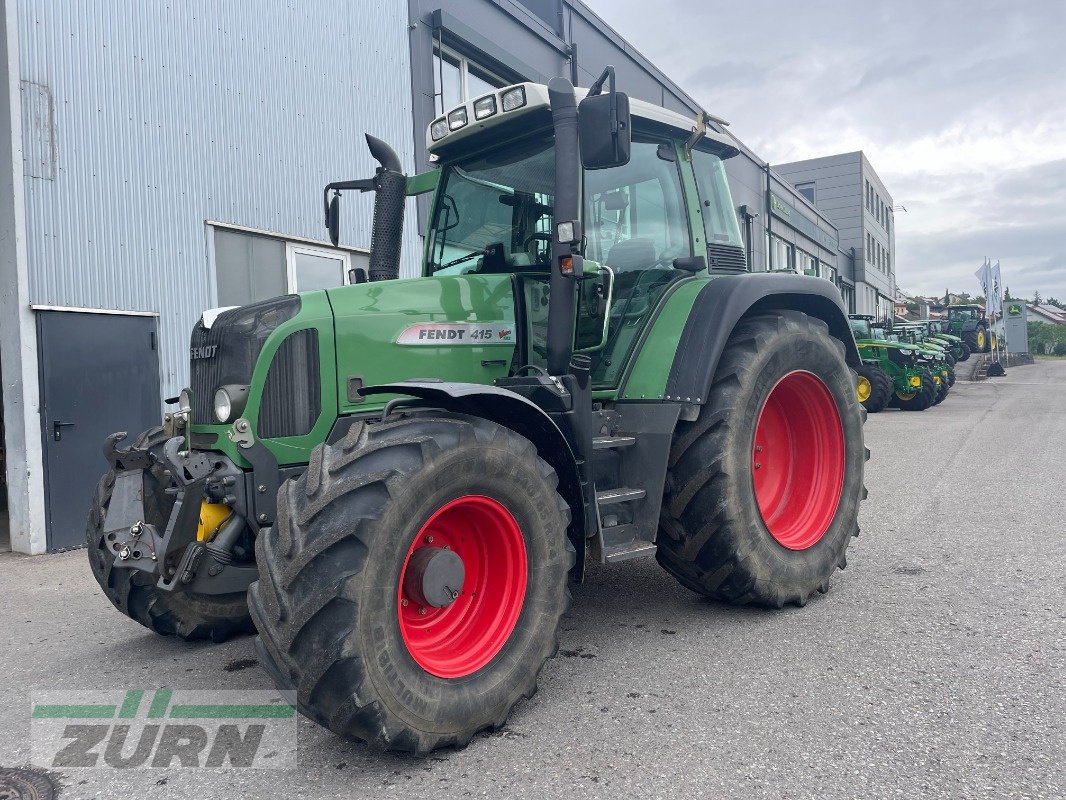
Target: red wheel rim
461	638
798	460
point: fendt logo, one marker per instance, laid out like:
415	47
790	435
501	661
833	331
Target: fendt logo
207	351
189	729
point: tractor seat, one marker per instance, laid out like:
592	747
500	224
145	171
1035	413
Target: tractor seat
632	254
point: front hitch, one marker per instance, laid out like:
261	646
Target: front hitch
173	555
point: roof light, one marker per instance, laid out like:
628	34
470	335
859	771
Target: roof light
457	118
439	129
485	107
513	98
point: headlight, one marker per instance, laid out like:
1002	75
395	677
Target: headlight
184	401
439	129
514	98
485	107
229	402
457	119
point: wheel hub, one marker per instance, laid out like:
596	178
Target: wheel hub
434	577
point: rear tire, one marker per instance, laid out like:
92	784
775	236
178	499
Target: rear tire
334	574
880	388
965	351
183	614
714	537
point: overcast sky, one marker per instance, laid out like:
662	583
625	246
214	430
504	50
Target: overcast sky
960	107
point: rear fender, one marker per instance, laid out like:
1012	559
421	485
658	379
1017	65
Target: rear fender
513	411
725	301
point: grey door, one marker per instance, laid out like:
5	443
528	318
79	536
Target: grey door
99	374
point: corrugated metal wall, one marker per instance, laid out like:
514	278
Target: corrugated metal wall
167	114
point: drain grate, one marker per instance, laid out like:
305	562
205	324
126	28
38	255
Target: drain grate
24	784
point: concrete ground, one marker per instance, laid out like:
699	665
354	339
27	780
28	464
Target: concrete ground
933	668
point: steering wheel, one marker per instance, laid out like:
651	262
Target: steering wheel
538	236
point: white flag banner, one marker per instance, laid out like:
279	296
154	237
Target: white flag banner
984	275
997	290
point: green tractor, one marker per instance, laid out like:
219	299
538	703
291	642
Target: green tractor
891	373
395	480
938	330
933	356
969	323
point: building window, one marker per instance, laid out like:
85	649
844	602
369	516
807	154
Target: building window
251	266
807	190
457	79
315	267
781	253
806	264
866	197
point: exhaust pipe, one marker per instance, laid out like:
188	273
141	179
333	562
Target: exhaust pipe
390	195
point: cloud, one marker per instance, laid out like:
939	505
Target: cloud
961	109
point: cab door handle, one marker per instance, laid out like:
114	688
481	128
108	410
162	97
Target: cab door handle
57	429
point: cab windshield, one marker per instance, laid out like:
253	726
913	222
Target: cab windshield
860	328
494	212
962	313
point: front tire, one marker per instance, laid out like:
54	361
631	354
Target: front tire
344	611
784	401
965	351
919	400
186	615
880	388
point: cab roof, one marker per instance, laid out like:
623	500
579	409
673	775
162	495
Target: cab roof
536	100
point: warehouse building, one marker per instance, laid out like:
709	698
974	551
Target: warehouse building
175	162
850	193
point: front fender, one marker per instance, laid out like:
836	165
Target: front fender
511	410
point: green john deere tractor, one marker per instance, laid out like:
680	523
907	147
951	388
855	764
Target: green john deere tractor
891	373
969	323
932	356
396	479
938	330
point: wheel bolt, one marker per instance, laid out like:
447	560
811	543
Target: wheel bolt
758	465
403	602
429	540
422	611
758	448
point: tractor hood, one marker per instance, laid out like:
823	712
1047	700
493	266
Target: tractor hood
280	357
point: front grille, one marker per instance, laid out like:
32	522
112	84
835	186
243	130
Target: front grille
292	396
726	258
226	352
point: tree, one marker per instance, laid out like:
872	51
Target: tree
1054	301
1006	293
1047	339
1036	298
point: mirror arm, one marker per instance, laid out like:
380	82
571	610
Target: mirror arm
363	185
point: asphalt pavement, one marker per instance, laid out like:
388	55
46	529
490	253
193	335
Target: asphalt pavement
934	667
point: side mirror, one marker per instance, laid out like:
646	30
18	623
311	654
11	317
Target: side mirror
333	219
604	131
